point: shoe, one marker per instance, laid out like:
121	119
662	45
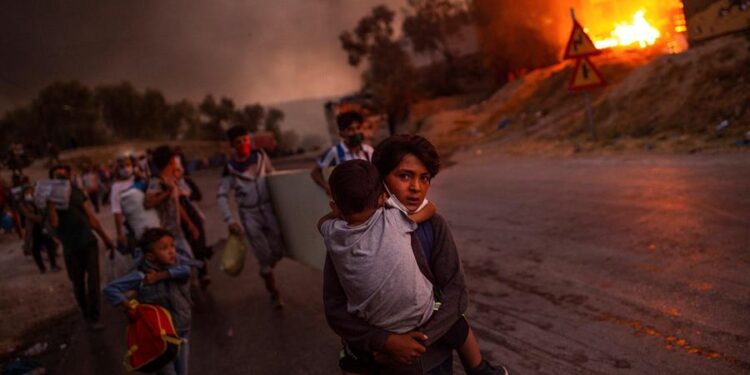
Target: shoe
485	368
95	326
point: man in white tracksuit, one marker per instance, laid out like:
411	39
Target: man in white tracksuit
245	174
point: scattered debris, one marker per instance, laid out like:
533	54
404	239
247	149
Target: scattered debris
36	349
722	125
503	124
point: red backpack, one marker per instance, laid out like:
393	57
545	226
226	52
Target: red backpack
152	339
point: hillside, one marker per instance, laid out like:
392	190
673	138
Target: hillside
672	103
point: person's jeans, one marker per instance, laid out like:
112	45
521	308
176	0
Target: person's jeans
180	364
83	270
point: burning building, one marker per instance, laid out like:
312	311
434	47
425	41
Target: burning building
708	19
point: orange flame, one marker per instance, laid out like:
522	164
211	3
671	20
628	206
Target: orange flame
639	31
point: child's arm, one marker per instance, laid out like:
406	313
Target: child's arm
334	214
114	292
424	214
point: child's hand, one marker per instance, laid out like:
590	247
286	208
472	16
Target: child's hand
153	277
407	347
235	228
424	214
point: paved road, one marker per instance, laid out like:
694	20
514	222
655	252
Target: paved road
606	266
588	265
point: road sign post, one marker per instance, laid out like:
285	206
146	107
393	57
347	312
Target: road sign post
585	74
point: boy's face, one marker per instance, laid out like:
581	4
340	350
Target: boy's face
163	252
352	135
242	146
409	182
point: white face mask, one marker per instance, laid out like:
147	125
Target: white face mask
392	201
126	172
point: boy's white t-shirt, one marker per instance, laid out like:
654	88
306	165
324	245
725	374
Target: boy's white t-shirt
114	196
378	272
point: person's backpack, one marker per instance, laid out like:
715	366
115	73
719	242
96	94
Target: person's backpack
151	337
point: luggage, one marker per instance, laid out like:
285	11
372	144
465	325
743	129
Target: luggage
138	218
152	340
56	191
233	258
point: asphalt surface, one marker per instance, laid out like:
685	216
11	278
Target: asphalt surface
613	265
606	265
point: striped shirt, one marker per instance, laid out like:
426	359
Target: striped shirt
339	153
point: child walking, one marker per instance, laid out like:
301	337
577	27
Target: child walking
161	277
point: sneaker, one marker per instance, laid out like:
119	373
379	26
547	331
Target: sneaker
485	368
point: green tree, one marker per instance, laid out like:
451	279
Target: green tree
272	123
433	25
67	113
251	117
119	106
390	75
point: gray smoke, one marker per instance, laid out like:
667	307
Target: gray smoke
261	50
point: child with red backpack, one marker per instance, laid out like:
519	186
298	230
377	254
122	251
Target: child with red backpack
161	278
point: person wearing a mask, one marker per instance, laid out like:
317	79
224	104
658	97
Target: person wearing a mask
351	147
73	227
245	175
40	238
125	178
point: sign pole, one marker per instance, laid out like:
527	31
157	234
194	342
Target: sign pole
589	110
590	115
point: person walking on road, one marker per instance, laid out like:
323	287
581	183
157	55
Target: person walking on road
351	147
245	175
407	164
73	227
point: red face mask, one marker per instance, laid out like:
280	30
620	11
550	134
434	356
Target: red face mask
244	150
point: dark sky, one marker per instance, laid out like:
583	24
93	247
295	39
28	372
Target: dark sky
254	50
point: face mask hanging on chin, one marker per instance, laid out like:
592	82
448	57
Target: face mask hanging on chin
392	201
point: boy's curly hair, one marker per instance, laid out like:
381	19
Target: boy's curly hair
355	186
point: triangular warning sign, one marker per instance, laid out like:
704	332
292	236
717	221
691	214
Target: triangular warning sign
579	44
585	76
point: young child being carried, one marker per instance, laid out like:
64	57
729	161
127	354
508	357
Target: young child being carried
161	277
369	245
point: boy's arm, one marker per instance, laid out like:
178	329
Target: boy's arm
222	199
155	195
424	214
449	280
186	218
96	225
114	292
329	216
317	177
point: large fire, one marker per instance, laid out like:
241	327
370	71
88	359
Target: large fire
635	24
639	32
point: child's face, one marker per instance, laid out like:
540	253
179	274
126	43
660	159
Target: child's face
352	135
409	182
163	252
242	146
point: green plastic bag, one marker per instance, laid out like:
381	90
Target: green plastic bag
233	258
